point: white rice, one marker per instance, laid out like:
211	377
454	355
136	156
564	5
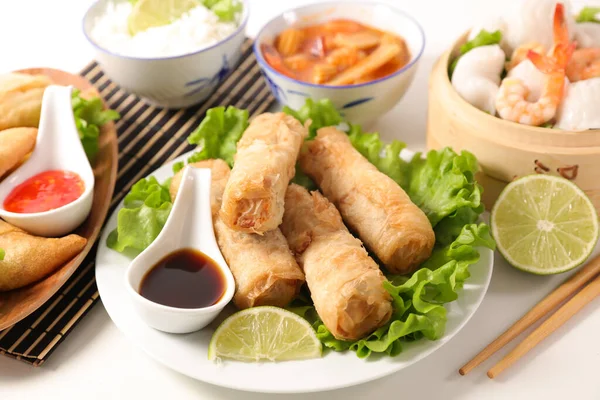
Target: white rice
195	30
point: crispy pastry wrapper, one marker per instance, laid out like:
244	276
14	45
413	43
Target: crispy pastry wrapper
21	99
264	268
15	145
346	285
30	258
265	161
371	203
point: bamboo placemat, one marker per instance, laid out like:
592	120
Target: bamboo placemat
148	137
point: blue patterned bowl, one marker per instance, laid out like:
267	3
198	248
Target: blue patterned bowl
171	82
361	102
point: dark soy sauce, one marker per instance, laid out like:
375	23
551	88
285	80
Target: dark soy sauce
185	278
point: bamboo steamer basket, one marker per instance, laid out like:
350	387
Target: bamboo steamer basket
507	150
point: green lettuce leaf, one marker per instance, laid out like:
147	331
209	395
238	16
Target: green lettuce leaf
303	180
218	134
589	14
145	212
322	113
178	166
483	38
226	10
444	182
2	254
89	117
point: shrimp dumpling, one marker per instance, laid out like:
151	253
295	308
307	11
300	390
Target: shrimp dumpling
579	109
587	34
476	77
532	21
531	77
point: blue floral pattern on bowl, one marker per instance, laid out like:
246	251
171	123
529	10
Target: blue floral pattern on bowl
290	91
278	92
203	83
358	102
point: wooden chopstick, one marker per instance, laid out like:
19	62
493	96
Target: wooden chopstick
576	282
556	320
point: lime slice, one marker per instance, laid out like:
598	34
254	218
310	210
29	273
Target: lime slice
150	13
264	333
544	224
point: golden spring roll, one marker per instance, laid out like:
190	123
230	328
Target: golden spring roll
346	285
264	268
264	164
371	203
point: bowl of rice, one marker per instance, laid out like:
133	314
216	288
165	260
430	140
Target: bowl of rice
173	54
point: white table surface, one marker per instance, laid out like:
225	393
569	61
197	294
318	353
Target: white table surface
97	362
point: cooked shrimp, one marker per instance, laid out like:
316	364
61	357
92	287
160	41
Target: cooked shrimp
520	53
511	100
585	64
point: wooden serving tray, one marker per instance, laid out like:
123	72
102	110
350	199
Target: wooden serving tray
18	304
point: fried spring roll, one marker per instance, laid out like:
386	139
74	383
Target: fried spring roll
264	268
371	203
346	285
264	164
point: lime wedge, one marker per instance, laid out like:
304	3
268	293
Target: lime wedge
150	13
264	333
544	224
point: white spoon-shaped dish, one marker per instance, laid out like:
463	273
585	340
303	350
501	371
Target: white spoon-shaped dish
57	147
189	226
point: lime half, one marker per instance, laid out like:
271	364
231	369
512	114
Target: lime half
151	13
544	224
264	333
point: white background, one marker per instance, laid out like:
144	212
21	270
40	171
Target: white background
96	361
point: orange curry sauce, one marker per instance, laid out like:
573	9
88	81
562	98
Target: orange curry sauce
324	53
46	191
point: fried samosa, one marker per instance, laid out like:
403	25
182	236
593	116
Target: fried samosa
346	285
21	99
371	203
29	258
15	144
264	268
264	165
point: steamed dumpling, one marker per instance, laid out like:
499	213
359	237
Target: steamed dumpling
587	34
532	21
579	109
477	76
531	77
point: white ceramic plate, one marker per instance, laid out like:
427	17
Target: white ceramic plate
187	353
